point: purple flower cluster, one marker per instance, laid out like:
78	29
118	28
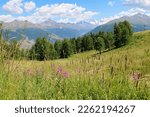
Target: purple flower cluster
66	74
60	70
62	73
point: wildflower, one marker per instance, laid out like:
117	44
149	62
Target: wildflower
59	70
65	74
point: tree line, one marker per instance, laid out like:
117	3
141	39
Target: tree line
43	49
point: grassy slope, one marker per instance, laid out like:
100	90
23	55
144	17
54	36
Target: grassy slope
84	76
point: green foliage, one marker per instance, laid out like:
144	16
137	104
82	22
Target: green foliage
109	41
94	80
58	46
101	41
122	33
73	46
89	43
99	44
66	49
89	76
42	50
13	49
117	36
129	27
78	45
8	49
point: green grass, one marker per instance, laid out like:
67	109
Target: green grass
88	76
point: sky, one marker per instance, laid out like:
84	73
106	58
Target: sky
93	11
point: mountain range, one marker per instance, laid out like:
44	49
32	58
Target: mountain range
138	21
50	29
27	32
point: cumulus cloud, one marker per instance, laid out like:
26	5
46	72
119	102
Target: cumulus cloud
29	6
59	12
139	3
67	12
13	6
111	3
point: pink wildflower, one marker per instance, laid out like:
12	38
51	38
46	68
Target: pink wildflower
59	70
65	74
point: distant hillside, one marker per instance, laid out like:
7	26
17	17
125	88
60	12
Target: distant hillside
50	29
139	22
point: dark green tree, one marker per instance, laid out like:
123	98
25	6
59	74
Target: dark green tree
122	33
83	44
125	35
58	46
117	35
73	45
109	41
78	44
43	50
89	43
99	44
66	49
129	27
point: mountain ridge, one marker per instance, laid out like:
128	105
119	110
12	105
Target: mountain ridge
33	30
139	22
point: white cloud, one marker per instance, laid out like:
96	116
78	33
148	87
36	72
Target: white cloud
129	12
6	18
14	6
59	12
139	3
29	6
111	3
132	12
71	12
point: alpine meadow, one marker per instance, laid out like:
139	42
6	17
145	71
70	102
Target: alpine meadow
121	73
73	57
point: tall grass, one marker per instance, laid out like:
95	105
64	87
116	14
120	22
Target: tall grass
119	74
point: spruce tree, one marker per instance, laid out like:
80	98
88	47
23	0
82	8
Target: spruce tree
78	44
58	46
99	44
117	35
66	49
42	50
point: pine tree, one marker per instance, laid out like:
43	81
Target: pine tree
58	46
122	33
109	41
117	35
42	50
78	45
125	35
129	27
99	44
89	43
73	45
66	49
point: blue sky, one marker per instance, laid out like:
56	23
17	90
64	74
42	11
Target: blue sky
95	11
